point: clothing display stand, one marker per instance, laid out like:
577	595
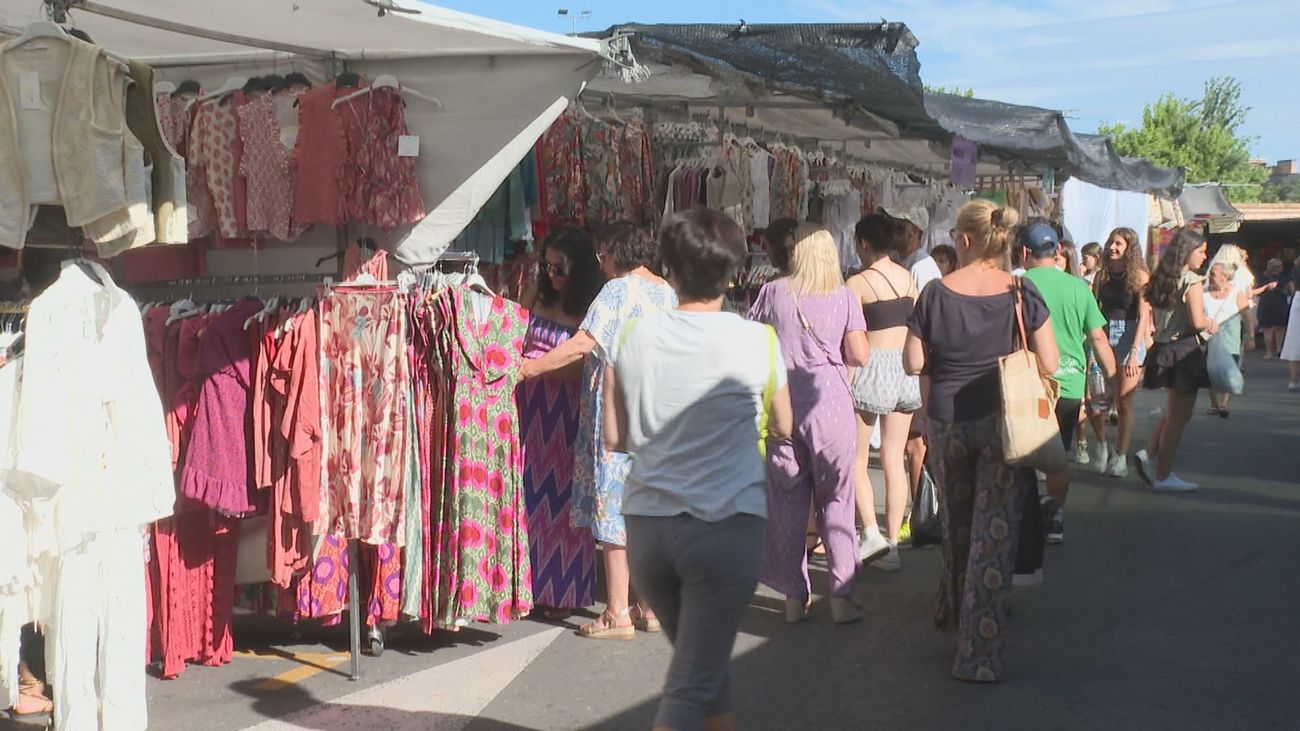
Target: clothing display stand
186	286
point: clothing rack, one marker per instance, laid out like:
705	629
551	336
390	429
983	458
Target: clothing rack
354	603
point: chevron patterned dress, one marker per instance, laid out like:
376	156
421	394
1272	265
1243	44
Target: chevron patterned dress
563	557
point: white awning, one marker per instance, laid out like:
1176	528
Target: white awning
501	85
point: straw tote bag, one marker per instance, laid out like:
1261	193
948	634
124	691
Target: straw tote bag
1030	435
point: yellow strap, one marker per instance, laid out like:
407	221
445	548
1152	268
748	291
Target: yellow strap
769	391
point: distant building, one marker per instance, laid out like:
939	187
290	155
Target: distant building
1284	170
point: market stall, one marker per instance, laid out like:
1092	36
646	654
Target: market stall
252	347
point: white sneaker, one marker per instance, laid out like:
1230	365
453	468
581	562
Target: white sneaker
891	561
872	545
1118	466
1143	463
1034	579
1081	455
1173	483
1293	387
1101	457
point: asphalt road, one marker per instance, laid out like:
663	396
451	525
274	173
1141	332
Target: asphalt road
1161	611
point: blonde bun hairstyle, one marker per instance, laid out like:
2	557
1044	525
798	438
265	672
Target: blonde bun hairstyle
989	227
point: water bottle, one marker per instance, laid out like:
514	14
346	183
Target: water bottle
1098	387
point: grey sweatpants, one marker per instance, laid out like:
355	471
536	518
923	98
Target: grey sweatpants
698	577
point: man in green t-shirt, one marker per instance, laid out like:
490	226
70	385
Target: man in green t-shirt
1076	320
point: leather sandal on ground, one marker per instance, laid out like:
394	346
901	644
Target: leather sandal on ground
606	627
645	621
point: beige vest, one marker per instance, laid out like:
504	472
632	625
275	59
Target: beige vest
89	144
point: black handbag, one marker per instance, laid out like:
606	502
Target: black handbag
926	526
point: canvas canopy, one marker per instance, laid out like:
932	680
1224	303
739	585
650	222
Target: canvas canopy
500	85
1207	203
1042	136
850	87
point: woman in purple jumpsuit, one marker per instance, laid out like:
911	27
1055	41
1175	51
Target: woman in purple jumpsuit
821	329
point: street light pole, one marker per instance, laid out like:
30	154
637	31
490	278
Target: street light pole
574	17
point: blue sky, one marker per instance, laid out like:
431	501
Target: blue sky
1099	60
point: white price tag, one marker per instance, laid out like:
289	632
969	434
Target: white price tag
408	146
29	90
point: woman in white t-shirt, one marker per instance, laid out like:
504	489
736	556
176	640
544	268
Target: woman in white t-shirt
688	396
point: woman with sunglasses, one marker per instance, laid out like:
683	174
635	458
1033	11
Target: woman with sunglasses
626	254
563	558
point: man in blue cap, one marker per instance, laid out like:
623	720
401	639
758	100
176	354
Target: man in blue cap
1076	320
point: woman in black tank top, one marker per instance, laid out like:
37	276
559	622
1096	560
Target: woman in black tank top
1119	285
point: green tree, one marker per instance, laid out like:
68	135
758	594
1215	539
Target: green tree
1286	190
969	93
1200	135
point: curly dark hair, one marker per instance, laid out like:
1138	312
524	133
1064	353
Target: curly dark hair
1162	290
629	245
585	279
1134	267
703	250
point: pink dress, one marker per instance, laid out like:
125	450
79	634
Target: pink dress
216	469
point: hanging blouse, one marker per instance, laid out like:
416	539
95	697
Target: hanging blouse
564	184
295	501
376	186
267	167
317	156
212	152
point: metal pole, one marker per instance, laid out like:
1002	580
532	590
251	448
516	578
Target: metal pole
354	611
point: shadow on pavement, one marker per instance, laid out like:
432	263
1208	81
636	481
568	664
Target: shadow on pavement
316	715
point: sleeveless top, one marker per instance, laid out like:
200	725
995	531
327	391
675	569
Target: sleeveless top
1117	301
885	314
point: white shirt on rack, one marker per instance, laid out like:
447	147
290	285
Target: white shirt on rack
91	435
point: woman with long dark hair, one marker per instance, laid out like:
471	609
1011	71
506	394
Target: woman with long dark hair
1119	285
1176	362
563	557
627	254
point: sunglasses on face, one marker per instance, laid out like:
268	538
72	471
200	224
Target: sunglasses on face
557	270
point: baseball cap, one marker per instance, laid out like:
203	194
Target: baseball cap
1040	239
916	215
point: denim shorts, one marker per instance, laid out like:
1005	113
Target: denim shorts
1123	334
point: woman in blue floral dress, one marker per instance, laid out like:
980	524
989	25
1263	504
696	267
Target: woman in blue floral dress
626	254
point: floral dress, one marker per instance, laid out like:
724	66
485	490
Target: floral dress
599	474
563	557
480	561
364	372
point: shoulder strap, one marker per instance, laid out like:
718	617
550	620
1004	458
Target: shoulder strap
870	286
1018	289
892	288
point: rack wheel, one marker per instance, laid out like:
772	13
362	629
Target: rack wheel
376	636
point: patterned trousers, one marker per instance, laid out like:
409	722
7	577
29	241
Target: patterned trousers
980	503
